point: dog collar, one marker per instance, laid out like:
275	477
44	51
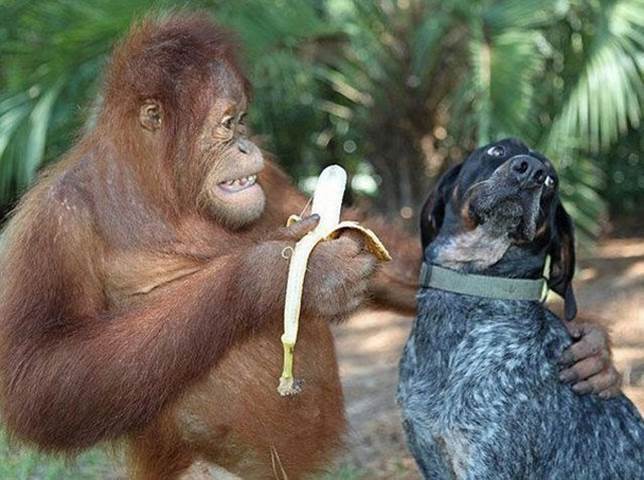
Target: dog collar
433	276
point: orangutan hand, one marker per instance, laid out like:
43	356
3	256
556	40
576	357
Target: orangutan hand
337	277
588	362
337	273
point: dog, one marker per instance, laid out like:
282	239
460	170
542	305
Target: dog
479	387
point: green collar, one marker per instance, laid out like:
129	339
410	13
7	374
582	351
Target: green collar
482	285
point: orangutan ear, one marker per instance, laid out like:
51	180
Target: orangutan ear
150	115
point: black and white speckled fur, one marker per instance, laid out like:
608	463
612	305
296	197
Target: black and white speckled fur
480	393
481	398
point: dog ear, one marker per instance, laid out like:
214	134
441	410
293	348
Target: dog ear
433	212
562	257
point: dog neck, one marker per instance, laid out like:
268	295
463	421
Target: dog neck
474	250
482	250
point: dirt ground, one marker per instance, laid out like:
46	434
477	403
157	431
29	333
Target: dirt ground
610	289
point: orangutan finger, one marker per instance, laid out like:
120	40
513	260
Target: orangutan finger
579	329
583	370
582	388
343	247
610	392
605	380
353	235
589	345
590	332
298	229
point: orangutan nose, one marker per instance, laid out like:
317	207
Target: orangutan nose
243	145
528	171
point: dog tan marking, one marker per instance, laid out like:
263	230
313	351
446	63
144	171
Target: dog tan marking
478	247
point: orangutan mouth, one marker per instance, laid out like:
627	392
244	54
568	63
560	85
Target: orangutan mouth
239	184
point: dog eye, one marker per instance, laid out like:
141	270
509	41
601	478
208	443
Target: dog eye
549	182
496	151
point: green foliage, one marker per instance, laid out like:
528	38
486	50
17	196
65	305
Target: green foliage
53	53
396	89
565	76
345	473
56	50
22	464
624	185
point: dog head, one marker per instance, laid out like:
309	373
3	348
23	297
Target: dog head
509	194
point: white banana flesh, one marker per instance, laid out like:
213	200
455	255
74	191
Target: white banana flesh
327	203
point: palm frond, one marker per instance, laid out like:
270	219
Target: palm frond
38	126
507	51
425	43
481	83
13	112
284	25
56	50
583	181
607	94
522	14
352	80
504	68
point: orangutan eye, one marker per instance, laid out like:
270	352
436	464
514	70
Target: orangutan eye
242	119
549	182
227	122
496	151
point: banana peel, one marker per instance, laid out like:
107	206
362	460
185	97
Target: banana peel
371	240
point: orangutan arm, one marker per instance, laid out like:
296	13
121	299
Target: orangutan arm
76	370
395	283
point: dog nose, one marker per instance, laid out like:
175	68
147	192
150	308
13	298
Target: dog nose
528	171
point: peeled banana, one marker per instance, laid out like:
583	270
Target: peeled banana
327	203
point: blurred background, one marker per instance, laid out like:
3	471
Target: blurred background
396	91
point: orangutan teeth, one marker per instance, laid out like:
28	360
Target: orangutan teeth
239	183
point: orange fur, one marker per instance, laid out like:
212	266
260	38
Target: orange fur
127	312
